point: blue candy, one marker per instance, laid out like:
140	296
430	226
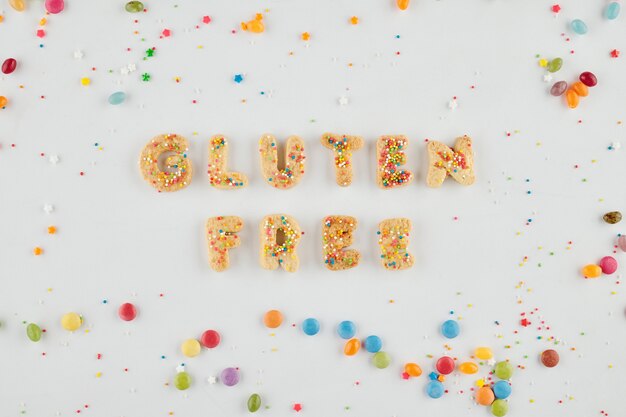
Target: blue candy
372	344
435	389
117	98
612	10
346	329
310	326
502	389
450	329
579	26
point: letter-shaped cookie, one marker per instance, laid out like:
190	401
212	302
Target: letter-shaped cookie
337	235
342	146
393	238
219	177
291	174
280	235
444	162
164	162
221	234
391	156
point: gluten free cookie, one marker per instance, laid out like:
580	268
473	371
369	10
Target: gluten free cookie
390	155
342	147
337	234
219	177
289	175
444	162
280	235
164	163
221	234
393	239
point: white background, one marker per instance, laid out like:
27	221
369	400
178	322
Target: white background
119	240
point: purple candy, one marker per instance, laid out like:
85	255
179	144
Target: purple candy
230	377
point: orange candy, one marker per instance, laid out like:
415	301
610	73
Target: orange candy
37	251
273	319
403	4
52	230
354	20
581	89
412	369
351	347
255	25
591	271
3	101
468	368
485	396
571	97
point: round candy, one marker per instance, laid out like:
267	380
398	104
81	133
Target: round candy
550	358
578	26
485	396
558	88
412	369
381	360
273	319
612	217
190	348
588	78
468	368
182	381
346	329
555	65
591	271
210	339
621	242
117	98
483	353
450	329
311	326
608	264
402	4
134	7
3	102
445	365
372	344
54	6
71	321
254	403
9	65
435	389
502	389
33	332
351	347
499	408
230	376
581	89
572	99
504	370
612	10
127	312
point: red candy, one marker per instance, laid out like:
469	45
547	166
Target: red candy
210	339
588	79
608	265
8	66
445	365
127	312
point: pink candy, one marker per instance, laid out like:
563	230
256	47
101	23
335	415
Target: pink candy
608	265
54	6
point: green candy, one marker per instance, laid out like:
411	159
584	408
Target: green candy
503	370
381	360
555	65
254	403
134	7
499	408
182	381
33	332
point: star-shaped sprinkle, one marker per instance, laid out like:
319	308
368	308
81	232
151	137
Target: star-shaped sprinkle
238	78
180	368
48	208
452	104
131	67
354	20
212	380
149	52
305	36
547	78
145	76
53	159
78	54
614	53
297	407
343	101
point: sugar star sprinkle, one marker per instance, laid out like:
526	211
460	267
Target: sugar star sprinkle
238	78
343	101
145	76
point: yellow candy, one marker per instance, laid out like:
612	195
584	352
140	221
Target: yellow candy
190	348
18	5
85	81
412	369
255	25
468	368
543	62
483	353
592	271
71	321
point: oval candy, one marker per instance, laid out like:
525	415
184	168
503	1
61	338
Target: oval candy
134	7
483	353
558	88
612	10
33	332
588	78
9	65
117	98
572	99
555	65
412	369
254	403
578	26
591	271
71	321
351	347
468	368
